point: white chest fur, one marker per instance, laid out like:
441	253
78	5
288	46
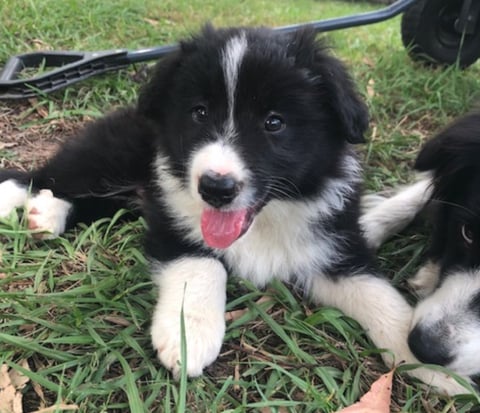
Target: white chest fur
281	242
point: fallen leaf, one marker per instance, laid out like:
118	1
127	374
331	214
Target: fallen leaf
11	384
152	22
10	400
368	62
118	320
57	408
376	400
41	45
19	380
236	314
236	376
371	88
4	377
7	145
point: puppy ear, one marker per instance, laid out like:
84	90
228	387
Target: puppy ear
433	154
151	101
153	93
350	109
456	147
334	84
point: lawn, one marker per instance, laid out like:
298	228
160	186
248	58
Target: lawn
75	311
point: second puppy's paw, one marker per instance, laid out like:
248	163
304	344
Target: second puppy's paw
47	215
12	195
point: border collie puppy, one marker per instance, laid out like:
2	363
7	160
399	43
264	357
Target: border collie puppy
446	323
240	149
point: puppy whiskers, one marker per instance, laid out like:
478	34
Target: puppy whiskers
453	204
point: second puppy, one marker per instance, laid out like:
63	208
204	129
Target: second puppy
446	323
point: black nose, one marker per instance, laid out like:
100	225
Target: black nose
217	189
429	345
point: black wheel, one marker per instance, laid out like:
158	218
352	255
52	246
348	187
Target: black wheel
429	34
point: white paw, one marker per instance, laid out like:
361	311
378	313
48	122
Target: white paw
200	284
426	279
47	215
204	337
12	195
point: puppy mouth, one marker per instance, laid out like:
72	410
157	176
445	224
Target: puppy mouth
220	228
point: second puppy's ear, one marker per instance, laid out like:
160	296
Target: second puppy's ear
456	147
433	154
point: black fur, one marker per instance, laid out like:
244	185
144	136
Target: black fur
454	157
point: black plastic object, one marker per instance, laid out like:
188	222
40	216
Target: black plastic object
443	32
66	68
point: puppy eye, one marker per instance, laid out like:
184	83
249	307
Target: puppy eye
274	123
467	234
200	114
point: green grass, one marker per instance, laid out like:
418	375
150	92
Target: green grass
78	307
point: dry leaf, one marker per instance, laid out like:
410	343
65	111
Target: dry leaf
7	145
41	45
371	88
4	377
369	62
152	22
57	408
376	400
236	314
118	320
19	380
11	384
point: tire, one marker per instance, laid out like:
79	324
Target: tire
429	35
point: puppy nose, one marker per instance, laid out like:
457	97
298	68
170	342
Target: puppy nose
428	345
218	189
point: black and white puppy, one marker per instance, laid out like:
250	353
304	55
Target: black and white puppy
240	148
446	323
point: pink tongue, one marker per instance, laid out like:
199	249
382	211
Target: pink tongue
221	228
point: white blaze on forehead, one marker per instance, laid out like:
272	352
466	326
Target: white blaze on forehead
232	57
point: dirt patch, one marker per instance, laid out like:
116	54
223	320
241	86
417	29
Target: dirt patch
28	136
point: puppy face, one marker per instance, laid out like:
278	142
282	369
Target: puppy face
447	323
250	115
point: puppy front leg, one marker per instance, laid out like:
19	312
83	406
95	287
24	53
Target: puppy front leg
46	214
386	317
200	285
385	217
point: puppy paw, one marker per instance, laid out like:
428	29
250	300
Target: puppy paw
12	195
47	215
198	285
426	279
204	337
